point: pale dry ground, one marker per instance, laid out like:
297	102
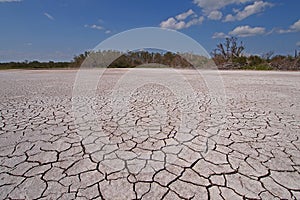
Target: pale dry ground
145	135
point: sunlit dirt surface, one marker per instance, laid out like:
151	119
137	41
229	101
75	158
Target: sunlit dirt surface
158	142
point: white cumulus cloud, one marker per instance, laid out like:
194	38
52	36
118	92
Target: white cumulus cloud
194	22
293	28
219	35
296	26
256	7
211	5
247	31
185	15
174	23
215	15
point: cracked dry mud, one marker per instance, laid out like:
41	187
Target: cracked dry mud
153	143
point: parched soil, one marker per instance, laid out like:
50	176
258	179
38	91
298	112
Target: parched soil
149	134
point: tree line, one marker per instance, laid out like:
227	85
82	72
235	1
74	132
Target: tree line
227	55
230	55
110	59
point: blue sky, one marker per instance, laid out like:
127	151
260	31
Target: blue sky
58	29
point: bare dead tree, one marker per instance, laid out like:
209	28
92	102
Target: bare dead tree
267	56
229	49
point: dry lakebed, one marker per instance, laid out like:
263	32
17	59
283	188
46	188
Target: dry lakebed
149	134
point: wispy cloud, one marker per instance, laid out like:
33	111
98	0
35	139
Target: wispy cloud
94	26
7	1
298	44
98	27
255	8
49	16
